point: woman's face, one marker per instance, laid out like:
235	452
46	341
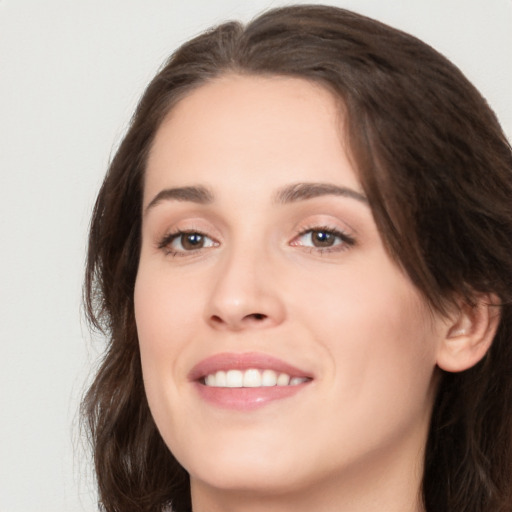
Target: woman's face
282	349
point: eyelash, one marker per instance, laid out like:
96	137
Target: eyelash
346	241
167	240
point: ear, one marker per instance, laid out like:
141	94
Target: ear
469	333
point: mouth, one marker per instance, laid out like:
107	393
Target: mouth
251	378
246	381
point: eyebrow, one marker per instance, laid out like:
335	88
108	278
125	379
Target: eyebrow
195	194
304	191
289	194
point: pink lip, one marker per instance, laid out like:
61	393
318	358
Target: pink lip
244	361
244	399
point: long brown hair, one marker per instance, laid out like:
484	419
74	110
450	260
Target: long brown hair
437	170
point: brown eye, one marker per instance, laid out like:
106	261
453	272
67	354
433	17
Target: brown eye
186	241
191	241
322	238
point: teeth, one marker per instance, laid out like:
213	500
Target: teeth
210	380
220	379
252	378
268	378
234	379
283	379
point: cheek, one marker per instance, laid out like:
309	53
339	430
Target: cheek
376	328
160	314
151	329
168	315
163	309
150	312
381	344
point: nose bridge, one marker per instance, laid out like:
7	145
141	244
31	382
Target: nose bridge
244	292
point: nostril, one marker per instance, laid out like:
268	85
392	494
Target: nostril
257	316
216	319
238	322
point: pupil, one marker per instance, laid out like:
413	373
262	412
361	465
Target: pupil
323	239
192	241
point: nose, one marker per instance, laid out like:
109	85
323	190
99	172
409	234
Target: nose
245	293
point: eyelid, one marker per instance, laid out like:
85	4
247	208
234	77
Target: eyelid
165	242
347	240
177	220
344	235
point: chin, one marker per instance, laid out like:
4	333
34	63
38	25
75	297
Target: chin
247	477
246	463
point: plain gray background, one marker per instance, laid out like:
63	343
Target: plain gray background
70	75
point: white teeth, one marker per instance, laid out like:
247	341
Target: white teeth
234	379
251	378
268	378
283	379
210	380
220	379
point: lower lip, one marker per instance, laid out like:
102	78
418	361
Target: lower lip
246	399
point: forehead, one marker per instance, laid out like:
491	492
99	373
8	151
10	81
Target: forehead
244	128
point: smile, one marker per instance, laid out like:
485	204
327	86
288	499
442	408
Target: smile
246	381
251	378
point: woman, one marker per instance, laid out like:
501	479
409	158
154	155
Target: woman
302	257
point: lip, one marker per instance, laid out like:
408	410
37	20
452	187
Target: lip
245	399
244	361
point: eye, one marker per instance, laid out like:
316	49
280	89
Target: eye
186	241
323	239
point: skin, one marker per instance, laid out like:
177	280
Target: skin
353	438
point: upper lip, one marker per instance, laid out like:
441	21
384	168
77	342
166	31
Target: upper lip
243	361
